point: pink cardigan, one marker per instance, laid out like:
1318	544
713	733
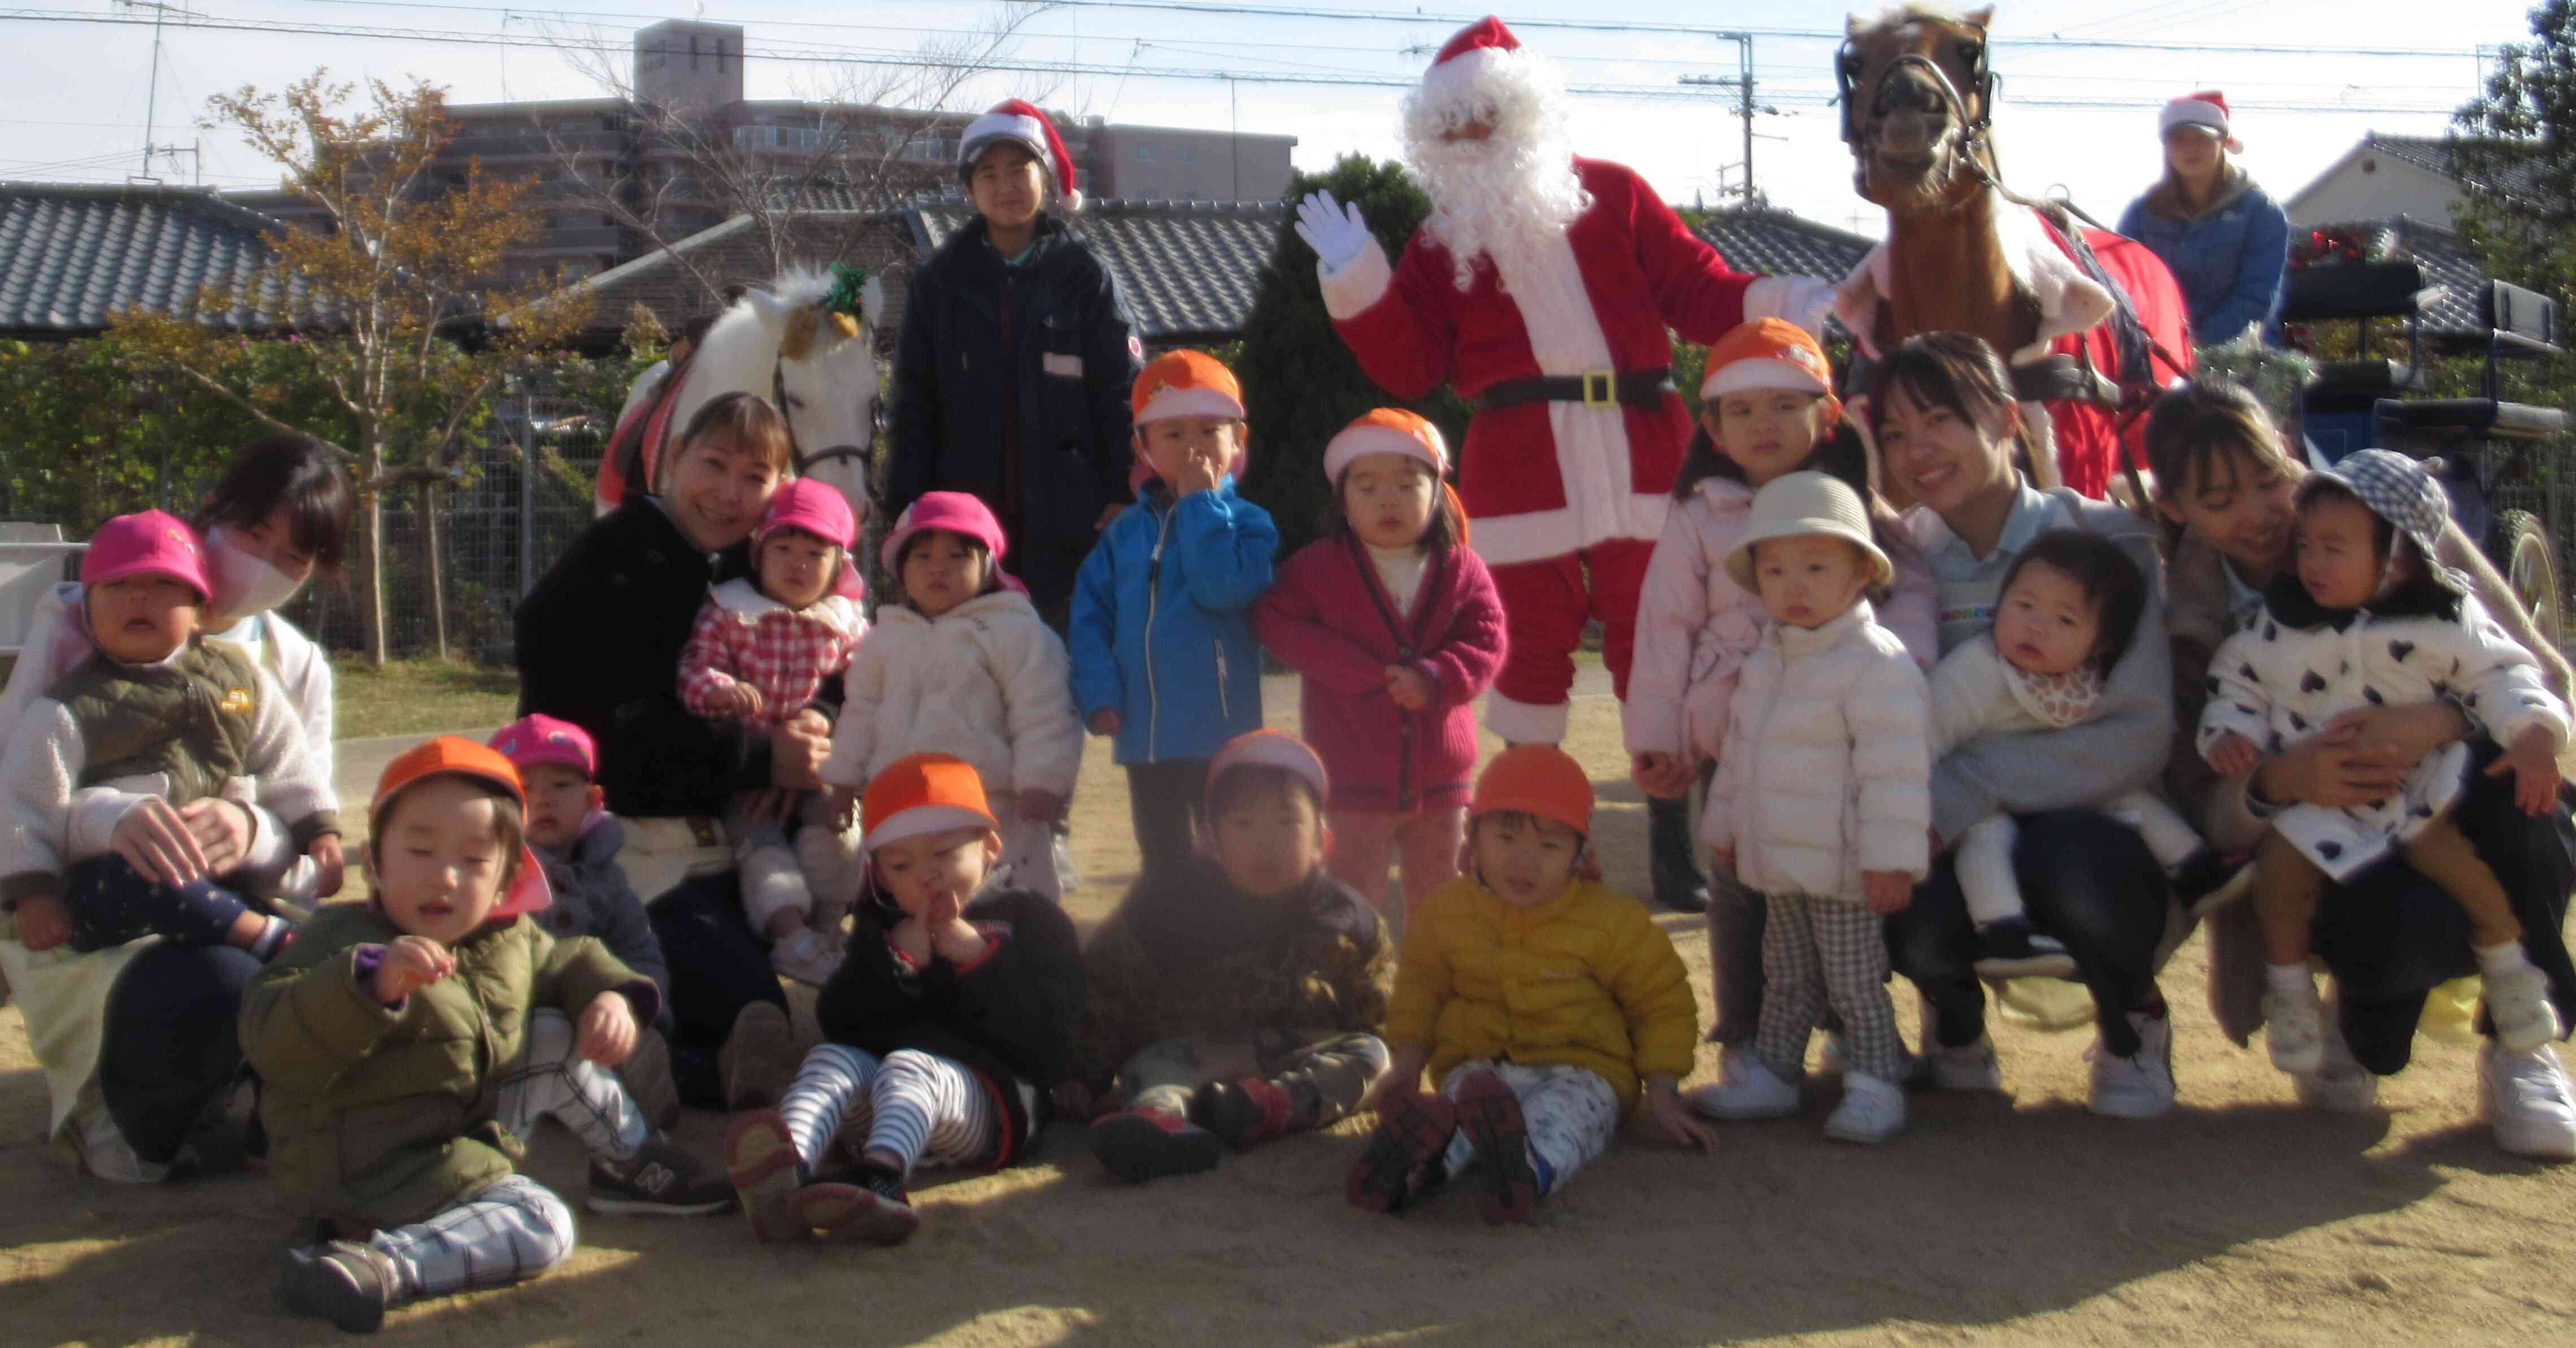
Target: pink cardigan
1328	616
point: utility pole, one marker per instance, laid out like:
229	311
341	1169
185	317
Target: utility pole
1743	86
152	94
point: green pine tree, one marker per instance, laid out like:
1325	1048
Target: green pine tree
2513	158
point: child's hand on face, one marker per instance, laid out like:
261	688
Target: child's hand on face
330	863
1887	891
2531	761
606	1029
912	937
43	922
1036	804
1199	472
1661	775
2234	755
410	964
1674	1120
1105	721
746	700
1409	688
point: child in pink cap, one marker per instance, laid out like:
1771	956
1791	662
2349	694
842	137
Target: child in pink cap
112	775
965	666
576	840
760	653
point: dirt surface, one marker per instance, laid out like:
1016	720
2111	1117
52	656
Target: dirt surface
2019	1220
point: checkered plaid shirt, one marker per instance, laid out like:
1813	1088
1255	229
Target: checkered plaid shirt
785	655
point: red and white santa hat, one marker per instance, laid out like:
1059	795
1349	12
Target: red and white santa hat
1481	67
2205	110
1022	123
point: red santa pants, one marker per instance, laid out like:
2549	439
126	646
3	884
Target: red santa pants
1546	605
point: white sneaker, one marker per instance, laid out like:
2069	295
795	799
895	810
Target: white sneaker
2519	1004
2526	1099
104	1152
1967	1068
2140	1087
1066	877
1872	1110
2340	1085
806	957
2293	1028
1755	1093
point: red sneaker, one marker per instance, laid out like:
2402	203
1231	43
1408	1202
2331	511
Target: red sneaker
1413	1132
1244	1113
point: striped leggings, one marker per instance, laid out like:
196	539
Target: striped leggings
915	1106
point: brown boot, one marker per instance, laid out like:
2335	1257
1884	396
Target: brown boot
647	1077
758	1061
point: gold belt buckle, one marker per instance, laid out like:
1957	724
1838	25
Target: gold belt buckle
1600	388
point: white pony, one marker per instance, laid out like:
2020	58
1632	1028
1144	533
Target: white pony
807	344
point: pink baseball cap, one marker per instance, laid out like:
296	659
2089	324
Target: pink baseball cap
957	512
808	504
147	543
532	740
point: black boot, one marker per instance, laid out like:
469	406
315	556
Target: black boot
1678	883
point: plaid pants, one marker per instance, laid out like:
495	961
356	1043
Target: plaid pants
1820	955
551	1081
510	1232
918	1106
1571	1115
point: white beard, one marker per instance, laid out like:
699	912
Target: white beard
1510	196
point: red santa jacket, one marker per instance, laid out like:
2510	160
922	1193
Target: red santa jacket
1545	479
1330	618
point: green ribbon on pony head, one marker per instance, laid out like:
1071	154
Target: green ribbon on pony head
846	296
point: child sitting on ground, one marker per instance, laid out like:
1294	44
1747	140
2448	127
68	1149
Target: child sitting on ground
2368	619
761	651
1821	803
1234	996
409	1044
576	840
2067	612
964	666
109	772
1163	657
946	1030
1537	998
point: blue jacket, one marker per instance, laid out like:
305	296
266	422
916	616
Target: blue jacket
2229	258
1162	622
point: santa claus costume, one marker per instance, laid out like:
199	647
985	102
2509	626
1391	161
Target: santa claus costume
1540	287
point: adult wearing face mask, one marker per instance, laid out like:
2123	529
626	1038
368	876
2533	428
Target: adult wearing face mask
143	1032
2226	240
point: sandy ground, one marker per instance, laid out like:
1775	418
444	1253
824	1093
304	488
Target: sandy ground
2019	1220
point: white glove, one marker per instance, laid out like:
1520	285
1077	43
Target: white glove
1335	231
1808	301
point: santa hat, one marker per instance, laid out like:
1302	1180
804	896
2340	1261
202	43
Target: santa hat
1021	123
1470	66
1768	353
2204	111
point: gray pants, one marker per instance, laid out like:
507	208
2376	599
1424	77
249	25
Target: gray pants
817	874
1821	955
1325	1072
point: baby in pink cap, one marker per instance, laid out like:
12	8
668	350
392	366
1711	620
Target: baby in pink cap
162	785
762	651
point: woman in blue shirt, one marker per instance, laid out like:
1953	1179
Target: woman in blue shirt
2226	240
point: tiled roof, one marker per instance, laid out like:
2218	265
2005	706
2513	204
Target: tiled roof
1771	242
73	253
2461	280
1188	268
2434	153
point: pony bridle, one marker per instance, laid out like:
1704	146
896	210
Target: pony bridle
1973	119
806	462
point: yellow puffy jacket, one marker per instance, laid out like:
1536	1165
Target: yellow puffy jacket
1587	980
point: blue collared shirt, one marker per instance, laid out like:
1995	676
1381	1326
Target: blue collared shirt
1968	585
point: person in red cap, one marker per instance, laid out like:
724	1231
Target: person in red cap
576	840
964	665
1011	371
946	1030
1163	657
106	771
1545	1005
764	649
1394	625
1233	997
2225	239
409	1045
1542	288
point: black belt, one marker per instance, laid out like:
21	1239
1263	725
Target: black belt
1592	388
2061	378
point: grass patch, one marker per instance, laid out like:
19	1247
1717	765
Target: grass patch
418	697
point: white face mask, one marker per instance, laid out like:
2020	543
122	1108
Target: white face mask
245	584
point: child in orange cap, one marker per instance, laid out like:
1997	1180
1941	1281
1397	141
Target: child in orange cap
1397	630
1163	656
1767	409
1233	996
1543	1003
409	1044
947	1027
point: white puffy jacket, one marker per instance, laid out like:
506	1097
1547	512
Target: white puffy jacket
1827	769
986	681
1696	626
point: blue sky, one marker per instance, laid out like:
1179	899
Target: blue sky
75	105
